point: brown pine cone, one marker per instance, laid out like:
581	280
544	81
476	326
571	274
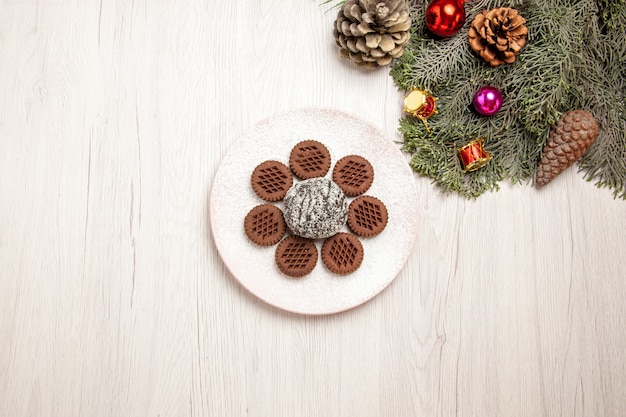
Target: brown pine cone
372	32
498	35
570	138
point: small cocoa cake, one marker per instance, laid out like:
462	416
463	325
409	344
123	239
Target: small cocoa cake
315	208
296	256
265	225
353	174
367	216
309	159
342	254
270	180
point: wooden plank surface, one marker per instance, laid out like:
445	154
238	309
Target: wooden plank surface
114	117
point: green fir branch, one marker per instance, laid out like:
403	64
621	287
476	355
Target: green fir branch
574	58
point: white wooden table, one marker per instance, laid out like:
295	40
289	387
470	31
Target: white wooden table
114	117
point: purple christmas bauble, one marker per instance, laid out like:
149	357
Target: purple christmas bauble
487	100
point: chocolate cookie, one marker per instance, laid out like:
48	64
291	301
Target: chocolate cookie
309	159
342	254
271	180
296	256
353	174
367	216
265	225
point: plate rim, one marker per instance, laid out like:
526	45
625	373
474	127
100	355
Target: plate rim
248	133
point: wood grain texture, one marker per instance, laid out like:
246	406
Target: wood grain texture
114	301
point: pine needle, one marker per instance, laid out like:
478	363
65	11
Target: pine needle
574	59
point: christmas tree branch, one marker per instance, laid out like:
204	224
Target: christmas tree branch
574	59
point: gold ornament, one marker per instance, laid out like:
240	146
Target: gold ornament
420	104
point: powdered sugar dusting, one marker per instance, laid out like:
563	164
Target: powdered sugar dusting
320	292
315	208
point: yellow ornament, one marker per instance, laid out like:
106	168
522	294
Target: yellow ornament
420	104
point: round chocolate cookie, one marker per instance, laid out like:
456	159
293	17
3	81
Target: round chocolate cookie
315	208
265	225
270	180
309	159
367	216
296	256
342	254
353	174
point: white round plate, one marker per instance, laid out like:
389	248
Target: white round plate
320	292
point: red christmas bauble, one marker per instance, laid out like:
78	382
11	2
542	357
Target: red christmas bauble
445	17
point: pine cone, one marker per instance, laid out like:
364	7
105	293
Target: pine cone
570	138
372	32
498	35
